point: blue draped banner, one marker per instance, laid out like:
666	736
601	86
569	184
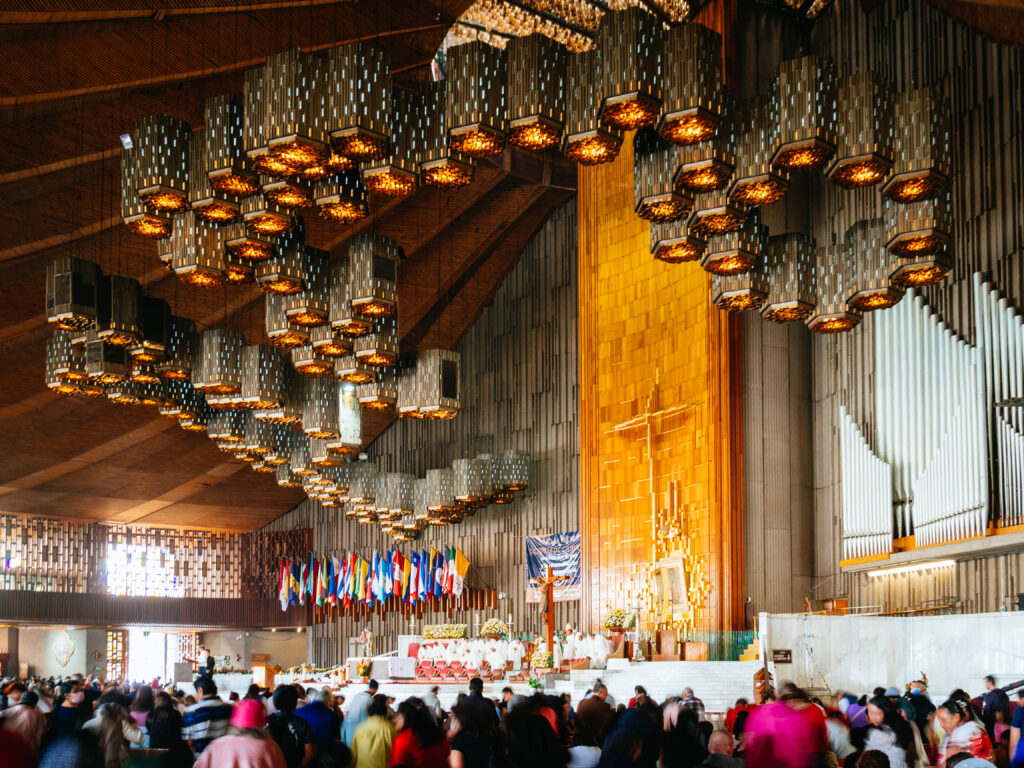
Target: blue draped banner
561	553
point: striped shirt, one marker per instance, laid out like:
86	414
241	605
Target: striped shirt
692	702
204	721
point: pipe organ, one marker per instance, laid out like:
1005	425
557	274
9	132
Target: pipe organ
867	494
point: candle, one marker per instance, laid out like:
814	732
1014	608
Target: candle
510	618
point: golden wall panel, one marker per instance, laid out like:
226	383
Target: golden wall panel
659	426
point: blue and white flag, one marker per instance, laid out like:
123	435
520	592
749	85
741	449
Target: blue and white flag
561	553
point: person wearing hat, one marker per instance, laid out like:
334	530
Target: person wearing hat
246	744
892	693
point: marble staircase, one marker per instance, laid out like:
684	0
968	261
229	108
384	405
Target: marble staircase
753	651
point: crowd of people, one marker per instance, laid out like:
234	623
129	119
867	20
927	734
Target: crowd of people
86	723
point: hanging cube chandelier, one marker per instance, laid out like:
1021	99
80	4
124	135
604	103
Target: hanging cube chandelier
155	225
310	307
218	366
372	275
207	202
440	495
789	260
630	42
162	147
72	293
119	316
280	332
420	492
289	193
921	128
864	152
692	60
254	127
362	483
288	409
408	404
322	457
399	490
287	477
343	319
329	342
380	394
715	214
341	198
655	163
285	272
181	350
514	471
470	480
588	141
197	252
380	347
124	392
299	460
263	377
756	181
65	363
476	99
741	292
320	409
396	174
353	371
437	373
735	252
673	243
105	363
155	336
708	165
358	101
309	362
227	427
225	146
833	282
919	234
535	90
243	245
267	218
806	97
294	128
870	265
440	165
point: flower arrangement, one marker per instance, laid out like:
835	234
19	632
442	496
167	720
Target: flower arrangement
617	619
363	667
443	631
535	683
494	627
541	660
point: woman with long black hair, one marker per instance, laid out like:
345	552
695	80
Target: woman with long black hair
887	732
420	742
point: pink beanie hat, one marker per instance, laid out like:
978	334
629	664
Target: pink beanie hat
249	713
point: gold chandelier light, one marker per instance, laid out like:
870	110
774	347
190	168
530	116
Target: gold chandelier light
349	369
708	165
420	493
358	101
438	375
266	218
227	427
290	193
343	319
362	483
310	307
285	272
741	292
399	494
789	260
225	147
440	495
864	151
124	392
630	42
673	243
514	471
535	90
299	460
118	321
329	342
162	146
143	373
65	363
181	350
655	164
155	327
379	348
919	235
692	60
735	252
870	266
921	127
288	409
207	202
322	457
476	99
197	252
715	214
470	480
245	245
380	394
218	366
263	377
72	293
294	125
309	362
155	225
198	421
280	332
440	165
408	404
105	364
833	281
287	477
588	141
320	409
396	174
806	95
341	198
756	180
254	128
372	275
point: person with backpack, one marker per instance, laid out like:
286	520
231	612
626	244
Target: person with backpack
292	734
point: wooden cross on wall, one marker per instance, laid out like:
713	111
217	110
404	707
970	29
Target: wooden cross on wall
548	584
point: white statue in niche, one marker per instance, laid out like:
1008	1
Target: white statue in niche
63	648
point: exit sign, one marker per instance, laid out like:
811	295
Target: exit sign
782	655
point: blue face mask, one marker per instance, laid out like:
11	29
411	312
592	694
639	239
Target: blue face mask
915	691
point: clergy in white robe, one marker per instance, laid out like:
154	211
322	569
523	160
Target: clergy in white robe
515	654
556	653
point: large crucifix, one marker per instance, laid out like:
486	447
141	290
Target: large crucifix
548	584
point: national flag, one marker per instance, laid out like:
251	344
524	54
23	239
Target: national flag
389	574
353	576
406	572
398	569
376	576
303	583
346	587
282	585
437	563
362	571
321	582
461	568
449	570
293	584
311	577
414	576
332	582
424	575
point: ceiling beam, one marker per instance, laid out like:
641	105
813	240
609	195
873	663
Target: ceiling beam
56	241
26	174
154	14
